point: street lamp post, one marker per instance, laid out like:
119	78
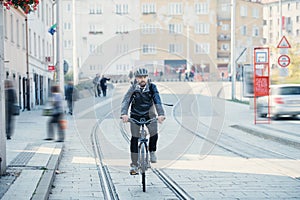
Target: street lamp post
232	44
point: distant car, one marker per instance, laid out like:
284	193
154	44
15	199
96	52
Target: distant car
284	100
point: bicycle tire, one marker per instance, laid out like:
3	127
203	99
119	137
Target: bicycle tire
143	157
144	181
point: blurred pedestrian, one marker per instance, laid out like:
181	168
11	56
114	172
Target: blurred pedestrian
103	84
10	100
57	115
70	96
96	82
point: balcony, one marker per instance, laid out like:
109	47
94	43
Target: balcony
224	37
223	54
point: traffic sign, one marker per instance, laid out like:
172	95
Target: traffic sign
284	43
284	60
51	68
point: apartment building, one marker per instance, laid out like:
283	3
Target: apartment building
166	36
15	51
281	18
28	34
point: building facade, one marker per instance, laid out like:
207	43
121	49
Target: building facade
26	44
281	18
166	36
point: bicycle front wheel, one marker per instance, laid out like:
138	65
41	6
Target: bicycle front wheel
143	157
144	181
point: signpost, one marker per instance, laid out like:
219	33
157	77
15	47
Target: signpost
261	77
284	60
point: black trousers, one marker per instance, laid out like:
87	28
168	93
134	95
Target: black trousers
135	134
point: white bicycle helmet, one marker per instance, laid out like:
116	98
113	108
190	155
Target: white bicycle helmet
141	72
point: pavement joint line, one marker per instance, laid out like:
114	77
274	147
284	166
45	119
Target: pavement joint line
45	183
260	134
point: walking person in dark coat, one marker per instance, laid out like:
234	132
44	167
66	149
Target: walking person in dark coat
10	100
103	84
70	96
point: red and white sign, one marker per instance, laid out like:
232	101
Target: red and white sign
284	43
51	68
284	60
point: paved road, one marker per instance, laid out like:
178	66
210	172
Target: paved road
202	147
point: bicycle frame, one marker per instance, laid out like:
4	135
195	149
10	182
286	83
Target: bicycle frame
143	153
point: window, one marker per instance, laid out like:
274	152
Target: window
148	28
43	48
201	8
34	44
18	33
29	41
122	29
225	27
244	11
175	8
255	31
122	9
67	44
175	28
98	9
225	47
202	28
96	49
47	15
244	30
23	36
69	8
5	23
149	49
39	47
225	7
12	27
297	19
255	13
175	48
122	48
67	26
148	8
202	48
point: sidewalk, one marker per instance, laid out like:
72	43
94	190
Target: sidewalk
31	161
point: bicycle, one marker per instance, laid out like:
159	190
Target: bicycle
143	152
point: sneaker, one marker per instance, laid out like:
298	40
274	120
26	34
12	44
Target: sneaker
133	169
153	157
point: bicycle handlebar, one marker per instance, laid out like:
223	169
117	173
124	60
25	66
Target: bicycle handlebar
142	122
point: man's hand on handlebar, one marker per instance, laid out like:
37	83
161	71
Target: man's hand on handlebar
160	119
125	118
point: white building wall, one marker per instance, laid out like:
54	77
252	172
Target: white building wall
40	47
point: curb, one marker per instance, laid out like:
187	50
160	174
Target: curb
45	184
260	134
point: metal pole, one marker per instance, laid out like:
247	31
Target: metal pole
280	19
2	97
232	55
75	65
27	67
59	63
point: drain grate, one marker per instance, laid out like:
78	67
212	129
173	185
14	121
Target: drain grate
23	158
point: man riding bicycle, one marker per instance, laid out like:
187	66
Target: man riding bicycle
144	99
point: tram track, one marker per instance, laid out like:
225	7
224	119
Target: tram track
228	146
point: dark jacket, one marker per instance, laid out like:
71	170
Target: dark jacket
142	102
69	92
103	82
